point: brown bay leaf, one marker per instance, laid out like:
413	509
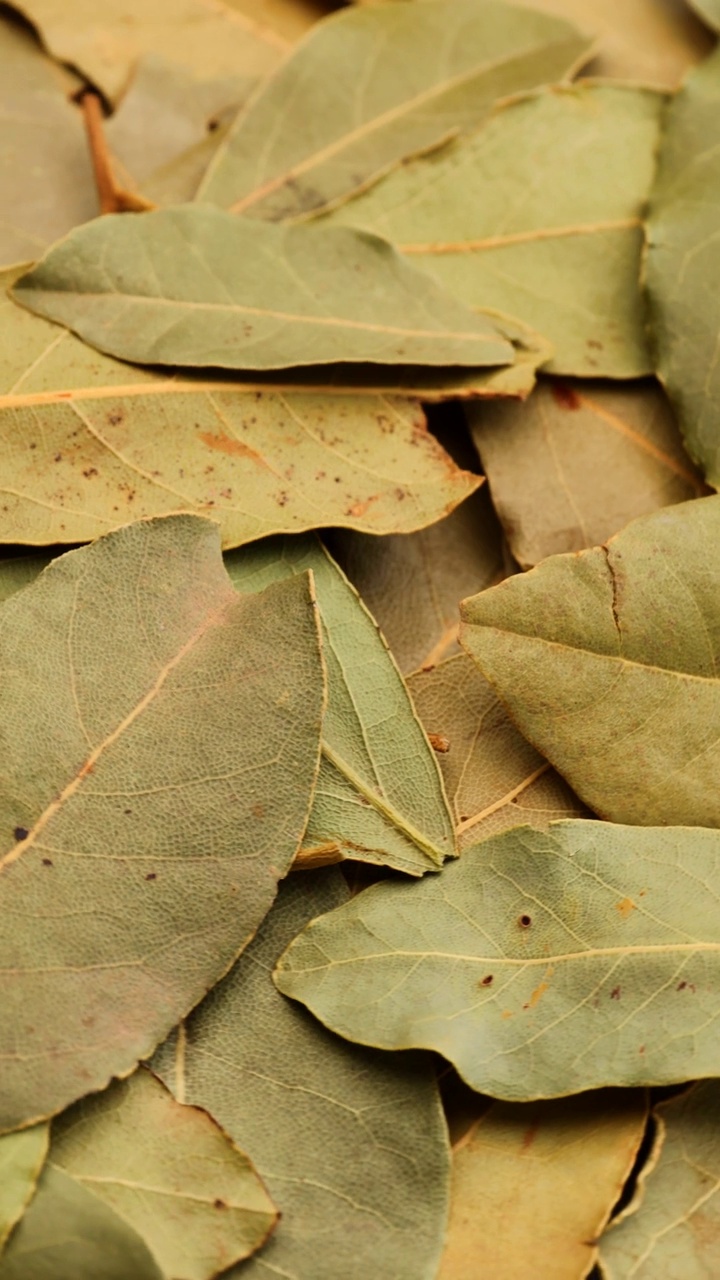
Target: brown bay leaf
417	75
351	1144
161	743
607	663
22	1156
195	286
578	462
538	215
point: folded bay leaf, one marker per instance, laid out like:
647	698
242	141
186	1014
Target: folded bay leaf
168	1171
379	795
675	1226
683	260
607	663
537	214
352	1145
578	462
90	443
22	1156
533	1185
196	286
160	746
542	964
366	89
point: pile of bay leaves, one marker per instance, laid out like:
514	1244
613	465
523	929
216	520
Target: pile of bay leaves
360	640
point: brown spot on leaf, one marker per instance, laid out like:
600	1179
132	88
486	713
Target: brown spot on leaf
21	833
524	921
564	396
529	1137
236	448
536	996
115	418
625	906
439	742
151	875
615	993
220	1204
47	862
487	981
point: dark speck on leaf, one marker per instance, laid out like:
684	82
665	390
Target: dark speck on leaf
151	875
220	1204
615	993
525	921
47	862
564	396
486	982
21	833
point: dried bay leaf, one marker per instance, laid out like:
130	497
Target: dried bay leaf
675	1229
90	442
351	1144
578	462
542	964
538	215
161	739
379	795
168	1171
683	261
46	180
546	1175
494	778
22	1156
418	75
607	663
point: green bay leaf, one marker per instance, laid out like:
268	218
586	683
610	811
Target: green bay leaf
540	965
22	1156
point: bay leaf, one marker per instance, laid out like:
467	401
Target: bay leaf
68	1234
22	1156
537	214
709	11
494	778
161	739
533	1185
683	257
676	1227
379	795
378	86
105	43
46	180
351	1144
19	571
193	285
542	964
290	18
168	1171
607	663
578	462
90	442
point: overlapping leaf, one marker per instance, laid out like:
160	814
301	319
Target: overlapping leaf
542	964
607	661
351	1144
538	214
133	874
457	59
22	1156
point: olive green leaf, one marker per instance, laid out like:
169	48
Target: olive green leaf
607	662
683	260
673	1229
104	42
537	214
160	746
542	964
89	443
494	778
168	1171
351	1144
378	86
196	286
22	1156
46	182
546	1175
379	795
18	572
69	1234
578	462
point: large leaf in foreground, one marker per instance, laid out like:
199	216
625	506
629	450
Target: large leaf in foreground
351	1144
675	1227
607	661
22	1156
169	1172
379	795
533	1185
578	462
538	214
683	261
542	964
196	286
377	86
160	744
89	443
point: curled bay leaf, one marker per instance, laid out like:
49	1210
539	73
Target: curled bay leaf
195	286
542	964
161	739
